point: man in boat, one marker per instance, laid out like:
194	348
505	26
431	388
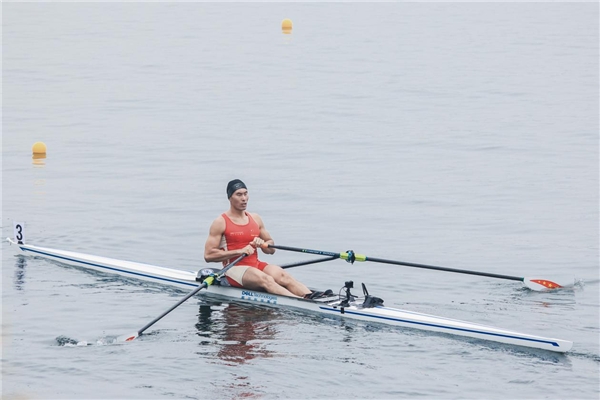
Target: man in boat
237	232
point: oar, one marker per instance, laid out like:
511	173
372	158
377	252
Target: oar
299	263
207	282
537	284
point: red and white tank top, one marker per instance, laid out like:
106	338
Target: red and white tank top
237	237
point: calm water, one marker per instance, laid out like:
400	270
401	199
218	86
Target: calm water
463	135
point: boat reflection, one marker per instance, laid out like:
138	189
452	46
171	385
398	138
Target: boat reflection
19	278
240	331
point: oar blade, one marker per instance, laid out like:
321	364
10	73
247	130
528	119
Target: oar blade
127	338
544	284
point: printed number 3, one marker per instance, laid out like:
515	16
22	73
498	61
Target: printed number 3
19	230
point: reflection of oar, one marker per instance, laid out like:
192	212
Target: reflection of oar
206	283
536	284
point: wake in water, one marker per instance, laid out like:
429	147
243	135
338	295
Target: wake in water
580	283
66	341
70	342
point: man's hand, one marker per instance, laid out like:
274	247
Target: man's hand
258	242
248	250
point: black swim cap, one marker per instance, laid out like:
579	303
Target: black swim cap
234	185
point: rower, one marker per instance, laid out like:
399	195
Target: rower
236	232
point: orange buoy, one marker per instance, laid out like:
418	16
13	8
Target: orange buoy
39	148
286	26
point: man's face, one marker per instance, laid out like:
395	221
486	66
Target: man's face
239	199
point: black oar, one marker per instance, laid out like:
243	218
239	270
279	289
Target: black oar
207	282
537	284
307	262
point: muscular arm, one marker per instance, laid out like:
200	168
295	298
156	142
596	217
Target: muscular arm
212	250
264	235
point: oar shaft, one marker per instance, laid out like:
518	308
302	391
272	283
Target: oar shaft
299	263
207	282
351	256
155	320
309	251
433	267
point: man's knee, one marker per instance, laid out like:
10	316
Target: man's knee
266	281
277	273
259	279
285	278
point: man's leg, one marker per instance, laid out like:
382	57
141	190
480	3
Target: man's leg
286	280
254	279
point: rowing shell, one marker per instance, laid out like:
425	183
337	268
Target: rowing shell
356	308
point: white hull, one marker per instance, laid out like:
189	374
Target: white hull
330	306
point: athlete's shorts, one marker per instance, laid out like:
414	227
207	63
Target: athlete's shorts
235	274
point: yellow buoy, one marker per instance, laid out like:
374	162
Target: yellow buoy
39	148
286	26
